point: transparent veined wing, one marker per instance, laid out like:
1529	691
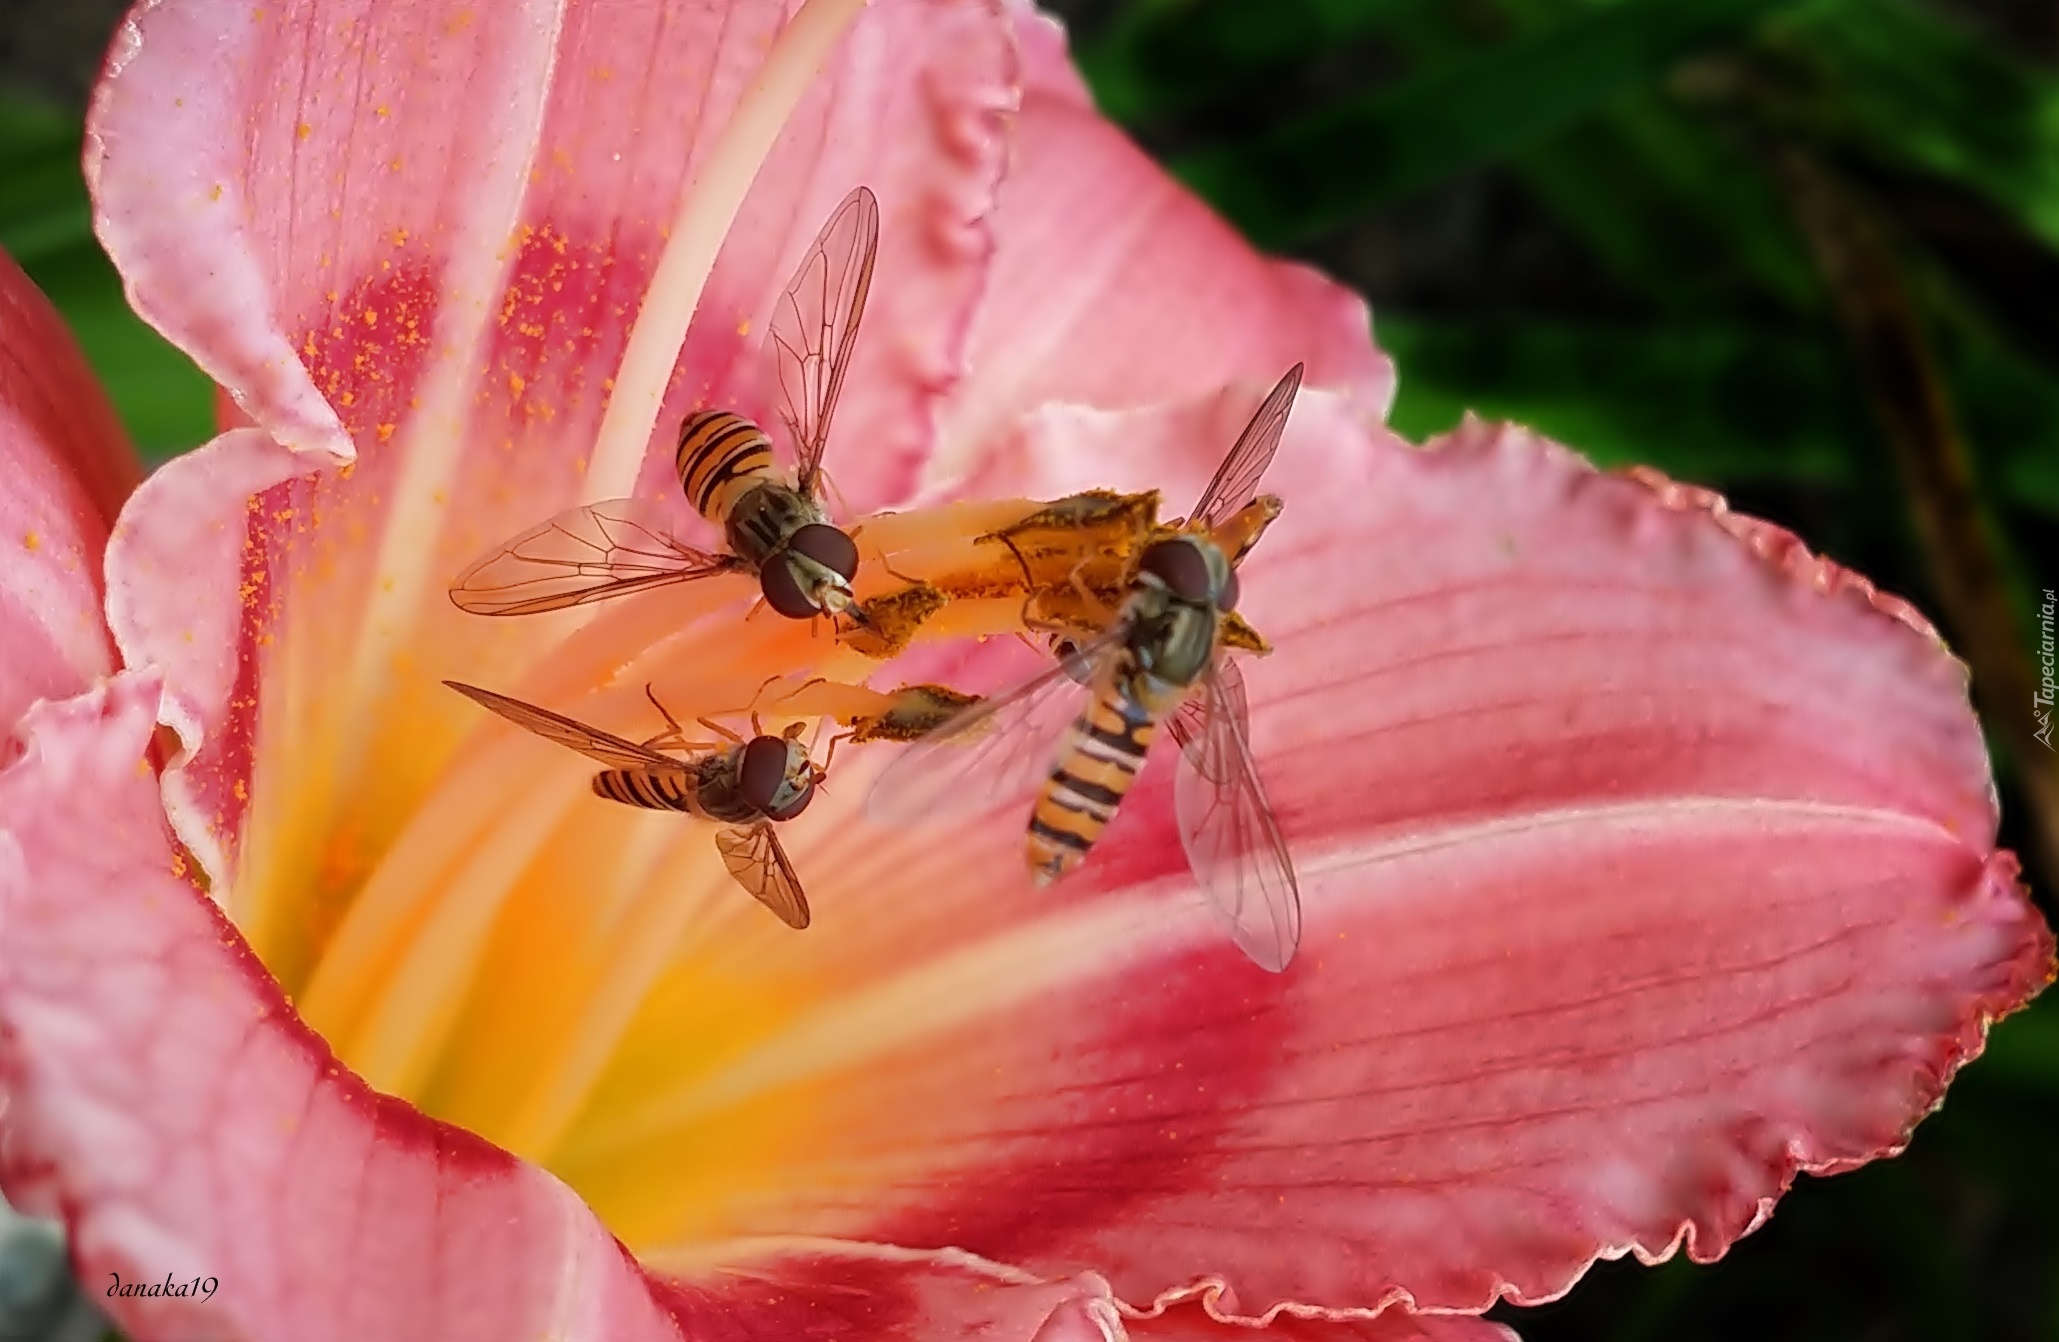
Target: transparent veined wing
1236	480
998	750
591	742
586	554
756	859
1189	722
1233	842
815	325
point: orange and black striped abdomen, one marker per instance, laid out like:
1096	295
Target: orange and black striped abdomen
651	789
721	456
1104	750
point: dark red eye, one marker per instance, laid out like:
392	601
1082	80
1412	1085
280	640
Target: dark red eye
1180	566
763	771
783	590
1232	589
828	547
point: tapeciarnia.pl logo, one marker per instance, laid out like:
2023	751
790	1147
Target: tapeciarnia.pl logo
2041	702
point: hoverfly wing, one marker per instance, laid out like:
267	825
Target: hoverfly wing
997	750
1189	722
815	325
591	742
756	859
1236	480
586	554
1232	839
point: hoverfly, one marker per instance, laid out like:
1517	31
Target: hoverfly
773	522
1158	660
747	787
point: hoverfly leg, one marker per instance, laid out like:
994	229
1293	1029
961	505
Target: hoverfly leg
1036	624
843	505
768	683
1103	612
674	736
822	769
850	610
721	731
1028	578
880	558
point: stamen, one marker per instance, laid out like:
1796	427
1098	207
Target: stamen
687	886
397	1046
403	918
708	203
923	1000
464	811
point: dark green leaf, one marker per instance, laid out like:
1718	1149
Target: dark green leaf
1906	86
1710	401
46	225
1707	402
1675	211
1175	55
1324	169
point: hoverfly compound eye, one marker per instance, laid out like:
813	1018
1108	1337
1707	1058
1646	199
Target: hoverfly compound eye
1226	600
762	773
783	590
1181	566
828	547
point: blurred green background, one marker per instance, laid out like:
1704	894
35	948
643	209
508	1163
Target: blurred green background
1805	252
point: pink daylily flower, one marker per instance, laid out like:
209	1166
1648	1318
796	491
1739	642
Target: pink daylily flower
68	466
1647	859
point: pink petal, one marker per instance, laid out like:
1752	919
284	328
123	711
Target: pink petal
346	182
348	185
1199	1321
263	176
177	551
165	1100
1114	287
67	465
1647	860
